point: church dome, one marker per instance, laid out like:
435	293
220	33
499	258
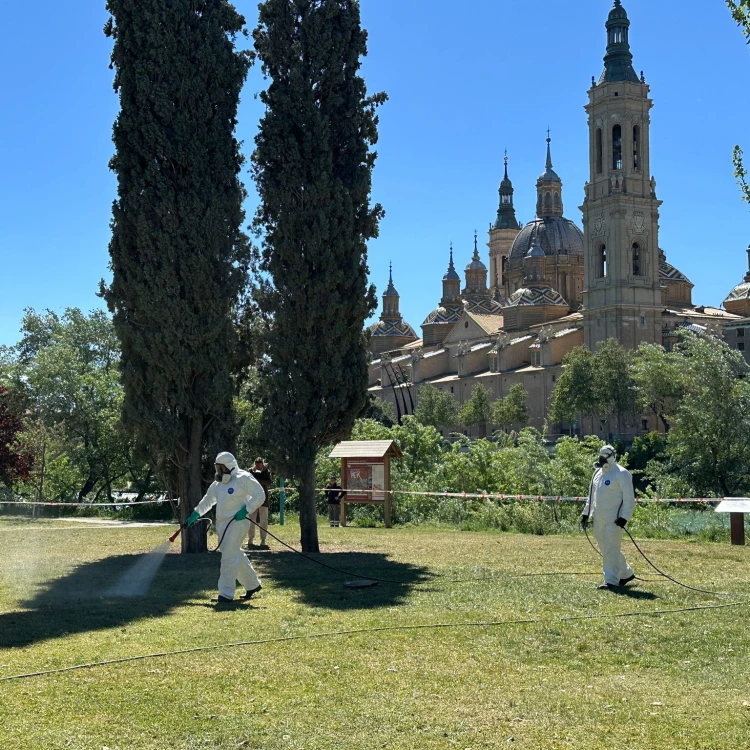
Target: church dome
617	13
739	293
486	306
667	272
448	314
555	235
535	252
392	328
536	297
476	265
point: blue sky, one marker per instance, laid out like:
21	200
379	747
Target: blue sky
466	80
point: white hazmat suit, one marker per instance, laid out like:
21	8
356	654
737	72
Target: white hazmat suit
611	498
229	494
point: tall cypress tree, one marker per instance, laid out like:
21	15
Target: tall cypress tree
178	255
313	167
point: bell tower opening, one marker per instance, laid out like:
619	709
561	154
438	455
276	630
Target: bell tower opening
617	147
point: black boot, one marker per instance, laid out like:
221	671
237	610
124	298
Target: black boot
249	594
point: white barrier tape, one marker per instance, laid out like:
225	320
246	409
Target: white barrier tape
81	505
500	496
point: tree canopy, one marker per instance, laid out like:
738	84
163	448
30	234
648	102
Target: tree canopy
313	170
178	254
435	407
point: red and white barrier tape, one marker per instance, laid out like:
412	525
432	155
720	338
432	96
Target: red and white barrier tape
123	504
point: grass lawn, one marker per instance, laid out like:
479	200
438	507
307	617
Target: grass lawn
675	680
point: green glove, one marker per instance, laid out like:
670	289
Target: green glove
194	516
241	514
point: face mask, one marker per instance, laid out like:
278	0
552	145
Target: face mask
223	477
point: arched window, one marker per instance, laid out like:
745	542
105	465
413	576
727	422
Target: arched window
557	200
601	262
616	147
636	147
547	200
636	259
599	151
504	265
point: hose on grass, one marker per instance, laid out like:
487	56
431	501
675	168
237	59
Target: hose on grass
382	629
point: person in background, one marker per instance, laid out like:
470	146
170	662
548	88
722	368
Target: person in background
236	494
262	475
334	492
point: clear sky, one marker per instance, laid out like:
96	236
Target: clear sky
466	80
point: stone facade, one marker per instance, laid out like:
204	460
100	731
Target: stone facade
553	287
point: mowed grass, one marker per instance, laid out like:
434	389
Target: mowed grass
676	680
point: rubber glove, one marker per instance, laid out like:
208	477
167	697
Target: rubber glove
241	514
584	521
194	516
621	522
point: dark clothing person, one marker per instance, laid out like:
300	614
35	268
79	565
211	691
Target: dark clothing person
263	477
334	492
262	474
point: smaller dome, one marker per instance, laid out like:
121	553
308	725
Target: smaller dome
392	328
617	13
535	252
486	306
444	315
477	265
451	274
667	272
534	297
740	292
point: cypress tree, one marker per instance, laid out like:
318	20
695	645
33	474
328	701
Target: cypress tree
313	168
178	255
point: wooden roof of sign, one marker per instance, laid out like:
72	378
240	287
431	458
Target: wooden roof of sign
366	449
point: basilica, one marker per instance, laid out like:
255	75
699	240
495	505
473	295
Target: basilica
552	286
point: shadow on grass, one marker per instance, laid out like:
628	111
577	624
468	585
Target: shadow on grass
633	593
79	602
315	585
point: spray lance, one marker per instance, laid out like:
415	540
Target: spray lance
240	515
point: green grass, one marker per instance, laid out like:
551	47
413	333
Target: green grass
658	681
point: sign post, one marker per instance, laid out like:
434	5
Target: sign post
366	473
736	507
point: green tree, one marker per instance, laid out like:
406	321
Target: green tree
478	409
435	407
513	409
740	10
178	255
379	410
313	169
657	375
575	392
613	383
709	443
572	465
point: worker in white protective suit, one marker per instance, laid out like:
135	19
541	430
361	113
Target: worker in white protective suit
236	495
611	502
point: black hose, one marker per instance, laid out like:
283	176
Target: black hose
668	577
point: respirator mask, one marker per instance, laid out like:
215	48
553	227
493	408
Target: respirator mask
607	457
222	474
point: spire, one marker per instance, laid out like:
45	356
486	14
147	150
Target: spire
391	290
451	275
549	153
506	213
549	189
618	62
476	252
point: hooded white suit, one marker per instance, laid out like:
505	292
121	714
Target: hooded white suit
611	497
229	495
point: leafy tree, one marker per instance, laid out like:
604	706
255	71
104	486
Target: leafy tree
313	169
740	10
575	391
513	409
478	409
435	407
572	465
178	255
379	410
709	443
645	449
658	381
613	384
15	463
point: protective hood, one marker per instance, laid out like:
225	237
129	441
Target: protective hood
226	459
607	458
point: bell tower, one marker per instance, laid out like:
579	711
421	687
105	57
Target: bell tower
622	289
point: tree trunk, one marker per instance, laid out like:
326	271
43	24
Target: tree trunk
308	516
191	487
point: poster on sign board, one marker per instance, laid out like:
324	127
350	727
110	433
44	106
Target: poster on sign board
365	482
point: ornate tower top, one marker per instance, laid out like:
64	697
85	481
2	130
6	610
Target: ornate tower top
451	275
506	213
618	62
549	189
391	290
